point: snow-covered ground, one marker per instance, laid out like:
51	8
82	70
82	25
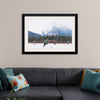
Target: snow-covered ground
40	46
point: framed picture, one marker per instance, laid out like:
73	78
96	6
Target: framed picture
49	33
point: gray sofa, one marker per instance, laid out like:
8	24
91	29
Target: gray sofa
52	84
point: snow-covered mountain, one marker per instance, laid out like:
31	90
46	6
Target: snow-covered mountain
62	31
32	34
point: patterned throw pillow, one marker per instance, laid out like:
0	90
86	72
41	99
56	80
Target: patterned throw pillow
18	82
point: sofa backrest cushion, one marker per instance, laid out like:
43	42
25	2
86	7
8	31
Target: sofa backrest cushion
38	76
69	76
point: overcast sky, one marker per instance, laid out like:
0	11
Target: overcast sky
39	26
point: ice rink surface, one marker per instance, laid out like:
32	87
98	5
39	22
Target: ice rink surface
50	46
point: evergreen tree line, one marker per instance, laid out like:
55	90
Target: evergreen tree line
52	37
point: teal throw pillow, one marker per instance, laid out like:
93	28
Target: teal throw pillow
9	71
3	78
91	81
1	89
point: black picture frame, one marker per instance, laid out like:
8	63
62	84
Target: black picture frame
49	52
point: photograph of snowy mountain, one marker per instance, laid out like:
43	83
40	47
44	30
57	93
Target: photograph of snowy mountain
56	34
50	34
55	31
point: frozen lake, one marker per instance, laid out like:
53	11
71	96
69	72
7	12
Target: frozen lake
50	46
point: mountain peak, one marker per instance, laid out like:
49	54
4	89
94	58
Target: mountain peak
32	34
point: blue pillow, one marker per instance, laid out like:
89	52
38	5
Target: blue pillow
9	71
3	78
4	84
1	89
91	81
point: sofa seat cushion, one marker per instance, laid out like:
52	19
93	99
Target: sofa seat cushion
37	93
74	93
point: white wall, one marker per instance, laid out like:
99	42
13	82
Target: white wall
88	33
